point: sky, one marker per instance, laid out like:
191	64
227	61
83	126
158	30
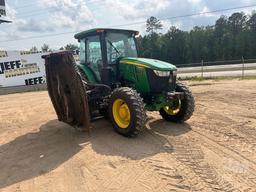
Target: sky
32	18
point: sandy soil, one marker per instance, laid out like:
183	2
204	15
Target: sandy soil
214	151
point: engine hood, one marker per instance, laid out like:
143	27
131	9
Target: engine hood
149	63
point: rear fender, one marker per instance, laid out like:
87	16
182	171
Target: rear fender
89	73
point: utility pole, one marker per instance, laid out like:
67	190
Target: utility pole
243	67
3	13
202	69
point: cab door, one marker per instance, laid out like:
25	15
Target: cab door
93	55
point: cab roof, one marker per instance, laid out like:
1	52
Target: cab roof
101	30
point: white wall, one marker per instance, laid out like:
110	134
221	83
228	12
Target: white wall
19	68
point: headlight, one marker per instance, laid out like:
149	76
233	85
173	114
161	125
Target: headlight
170	80
174	73
173	76
162	73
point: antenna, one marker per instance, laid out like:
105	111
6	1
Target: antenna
3	18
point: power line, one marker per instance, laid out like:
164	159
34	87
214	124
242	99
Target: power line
45	11
191	15
25	6
140	22
34	4
40	36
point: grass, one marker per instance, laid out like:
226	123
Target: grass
248	78
216	78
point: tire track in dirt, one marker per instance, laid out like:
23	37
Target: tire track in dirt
233	133
131	174
240	127
215	153
242	169
234	142
162	172
187	180
169	174
191	157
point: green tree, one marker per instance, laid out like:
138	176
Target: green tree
221	26
174	48
220	32
45	48
34	49
251	36
153	24
237	22
71	47
252	22
229	38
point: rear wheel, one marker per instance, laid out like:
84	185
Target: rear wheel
126	111
179	110
83	75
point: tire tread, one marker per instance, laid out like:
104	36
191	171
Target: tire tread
136	105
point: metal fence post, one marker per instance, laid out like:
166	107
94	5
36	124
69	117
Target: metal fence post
202	68
243	67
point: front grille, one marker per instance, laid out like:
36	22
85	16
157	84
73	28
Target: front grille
160	84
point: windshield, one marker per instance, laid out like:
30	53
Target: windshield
120	45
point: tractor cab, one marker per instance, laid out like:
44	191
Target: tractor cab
102	49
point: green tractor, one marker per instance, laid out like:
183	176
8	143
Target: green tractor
112	81
124	86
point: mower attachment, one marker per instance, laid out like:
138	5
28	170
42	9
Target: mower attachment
66	89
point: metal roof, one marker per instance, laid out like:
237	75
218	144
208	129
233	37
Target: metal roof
101	30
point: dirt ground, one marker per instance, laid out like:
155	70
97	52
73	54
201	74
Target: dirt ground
214	151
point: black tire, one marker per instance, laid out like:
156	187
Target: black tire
104	112
82	74
187	106
84	78
136	107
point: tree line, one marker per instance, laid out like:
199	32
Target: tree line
230	38
46	48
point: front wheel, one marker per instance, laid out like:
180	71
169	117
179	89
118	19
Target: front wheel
179	110
126	111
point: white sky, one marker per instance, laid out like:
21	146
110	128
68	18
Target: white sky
42	17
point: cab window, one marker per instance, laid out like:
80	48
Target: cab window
94	56
82	51
120	45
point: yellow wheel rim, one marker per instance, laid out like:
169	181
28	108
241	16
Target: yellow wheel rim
174	108
121	113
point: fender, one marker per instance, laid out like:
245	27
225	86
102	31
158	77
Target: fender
89	73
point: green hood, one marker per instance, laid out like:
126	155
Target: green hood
149	63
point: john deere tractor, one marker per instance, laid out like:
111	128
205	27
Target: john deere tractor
122	86
112	81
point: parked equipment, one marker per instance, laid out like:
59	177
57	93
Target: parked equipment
122	87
